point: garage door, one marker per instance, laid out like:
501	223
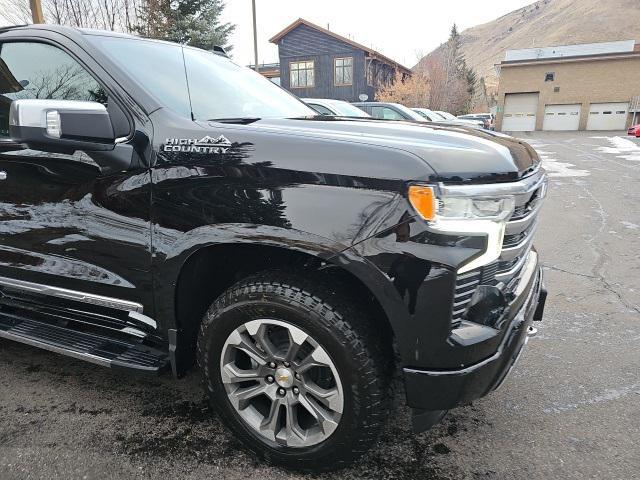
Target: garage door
561	117
519	112
608	116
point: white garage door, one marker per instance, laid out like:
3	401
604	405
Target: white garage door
519	112
608	116
561	117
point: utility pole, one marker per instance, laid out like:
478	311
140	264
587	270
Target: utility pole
255	34
36	11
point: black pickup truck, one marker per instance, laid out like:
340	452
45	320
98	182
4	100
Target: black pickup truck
162	207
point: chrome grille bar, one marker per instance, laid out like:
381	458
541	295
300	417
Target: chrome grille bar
518	237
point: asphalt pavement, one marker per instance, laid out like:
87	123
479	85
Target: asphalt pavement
570	409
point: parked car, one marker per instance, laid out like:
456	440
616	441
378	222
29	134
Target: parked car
446	115
390	111
488	119
437	117
428	114
149	225
634	130
338	108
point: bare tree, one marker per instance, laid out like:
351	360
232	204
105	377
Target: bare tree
447	92
454	86
411	91
196	22
120	15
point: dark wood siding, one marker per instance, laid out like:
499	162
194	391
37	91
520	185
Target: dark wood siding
305	43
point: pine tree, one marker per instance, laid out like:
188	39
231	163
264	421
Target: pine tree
194	22
462	79
454	45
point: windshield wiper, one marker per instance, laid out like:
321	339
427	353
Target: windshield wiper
238	120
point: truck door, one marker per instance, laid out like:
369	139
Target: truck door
68	231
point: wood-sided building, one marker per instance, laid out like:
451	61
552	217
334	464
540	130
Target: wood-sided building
318	63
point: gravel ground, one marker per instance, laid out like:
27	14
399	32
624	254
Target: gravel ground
569	410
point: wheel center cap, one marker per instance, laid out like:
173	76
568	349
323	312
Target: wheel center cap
284	377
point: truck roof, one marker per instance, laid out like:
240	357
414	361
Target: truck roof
70	31
62	28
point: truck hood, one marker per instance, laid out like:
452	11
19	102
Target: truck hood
455	153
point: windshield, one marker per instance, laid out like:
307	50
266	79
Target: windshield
428	114
446	115
214	86
347	110
409	113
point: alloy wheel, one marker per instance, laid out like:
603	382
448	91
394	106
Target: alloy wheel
282	383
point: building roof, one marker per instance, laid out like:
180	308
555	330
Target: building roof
578	50
586	52
372	53
269	70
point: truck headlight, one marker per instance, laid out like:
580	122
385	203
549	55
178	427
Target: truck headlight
474	208
465	215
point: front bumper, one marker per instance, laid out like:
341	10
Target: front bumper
431	390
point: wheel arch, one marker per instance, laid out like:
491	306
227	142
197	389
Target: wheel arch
205	269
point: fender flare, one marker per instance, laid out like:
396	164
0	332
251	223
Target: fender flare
170	259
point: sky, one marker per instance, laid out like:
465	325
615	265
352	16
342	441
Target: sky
400	29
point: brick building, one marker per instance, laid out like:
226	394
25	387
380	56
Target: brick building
573	87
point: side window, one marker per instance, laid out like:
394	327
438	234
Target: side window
391	114
37	70
377	112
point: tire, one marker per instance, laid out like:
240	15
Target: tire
356	367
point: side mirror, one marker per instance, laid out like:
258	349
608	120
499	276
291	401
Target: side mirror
61	126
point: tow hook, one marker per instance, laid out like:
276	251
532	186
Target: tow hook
532	331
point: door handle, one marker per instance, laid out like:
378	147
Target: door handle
3	175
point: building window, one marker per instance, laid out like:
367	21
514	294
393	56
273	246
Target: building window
549	77
343	71
302	74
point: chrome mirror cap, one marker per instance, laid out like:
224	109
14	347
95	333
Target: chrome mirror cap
33	112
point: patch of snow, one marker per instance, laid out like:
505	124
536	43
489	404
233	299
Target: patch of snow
555	168
622	148
630	226
608	395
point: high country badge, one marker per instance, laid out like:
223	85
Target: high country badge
204	145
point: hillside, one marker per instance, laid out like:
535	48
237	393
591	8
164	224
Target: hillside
548	23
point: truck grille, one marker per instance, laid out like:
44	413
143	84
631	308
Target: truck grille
465	287
519	233
517	244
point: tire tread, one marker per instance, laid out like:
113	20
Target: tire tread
359	336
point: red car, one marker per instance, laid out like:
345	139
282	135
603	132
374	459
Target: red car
635	130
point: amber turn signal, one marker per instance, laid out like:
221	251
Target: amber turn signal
423	200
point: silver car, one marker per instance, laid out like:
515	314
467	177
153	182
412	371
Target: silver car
444	117
338	108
